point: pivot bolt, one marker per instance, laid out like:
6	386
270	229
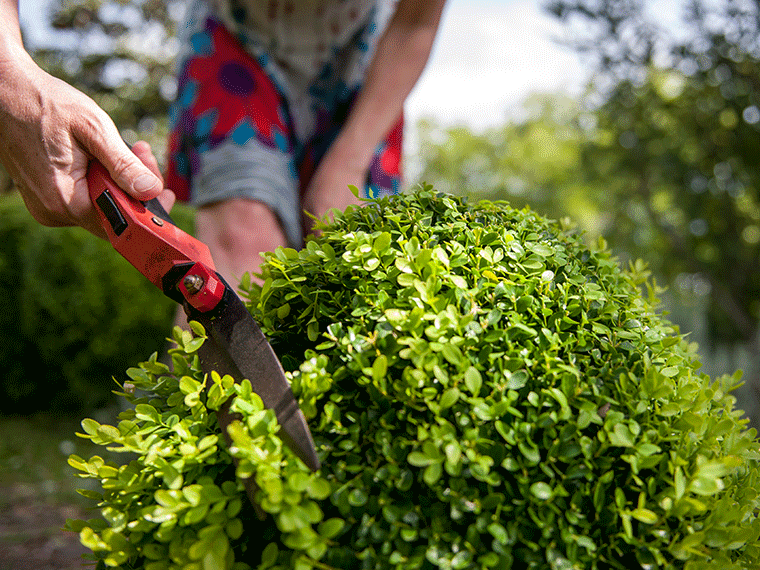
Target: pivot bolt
193	283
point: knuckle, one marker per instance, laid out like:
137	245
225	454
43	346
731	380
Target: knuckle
122	165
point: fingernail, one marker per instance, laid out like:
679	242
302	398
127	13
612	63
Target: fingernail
144	183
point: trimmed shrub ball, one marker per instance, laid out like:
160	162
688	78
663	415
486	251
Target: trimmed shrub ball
485	391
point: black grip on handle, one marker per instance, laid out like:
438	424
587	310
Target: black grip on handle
111	212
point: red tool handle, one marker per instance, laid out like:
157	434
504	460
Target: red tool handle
145	235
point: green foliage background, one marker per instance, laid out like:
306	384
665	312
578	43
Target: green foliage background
73	315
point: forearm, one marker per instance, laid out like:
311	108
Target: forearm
11	45
401	55
16	65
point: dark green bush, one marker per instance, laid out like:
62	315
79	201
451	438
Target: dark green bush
73	313
485	391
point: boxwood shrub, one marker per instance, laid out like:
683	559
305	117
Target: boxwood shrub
485	391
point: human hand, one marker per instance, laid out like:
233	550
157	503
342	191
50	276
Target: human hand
50	133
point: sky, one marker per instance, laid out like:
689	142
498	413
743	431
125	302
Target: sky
489	56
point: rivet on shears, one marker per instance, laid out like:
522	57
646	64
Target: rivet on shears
193	283
157	221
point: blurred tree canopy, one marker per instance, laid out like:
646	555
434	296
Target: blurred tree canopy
536	162
122	54
681	145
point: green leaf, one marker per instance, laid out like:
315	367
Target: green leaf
358	497
215	557
419	459
499	533
517	379
396	317
547	275
380	367
706	485
541	490
452	354
541	250
621	436
670	371
432	473
318	488
283	311
188	385
530	452
77	463
197	329
645	515
193	345
679	483
312	331
193	494
90	426
331	527
473	380
269	556
449	398
458	281
147	413
108	433
234	529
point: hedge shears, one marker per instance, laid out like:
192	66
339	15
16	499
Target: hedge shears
181	266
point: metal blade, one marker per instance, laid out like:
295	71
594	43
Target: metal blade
237	346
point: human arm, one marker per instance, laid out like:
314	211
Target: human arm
401	55
50	131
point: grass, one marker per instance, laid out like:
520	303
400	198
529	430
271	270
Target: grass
38	491
34	452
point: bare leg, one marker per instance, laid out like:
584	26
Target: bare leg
236	231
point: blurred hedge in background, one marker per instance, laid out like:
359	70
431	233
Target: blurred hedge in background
73	314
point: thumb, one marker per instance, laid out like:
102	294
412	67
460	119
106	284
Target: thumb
126	169
131	175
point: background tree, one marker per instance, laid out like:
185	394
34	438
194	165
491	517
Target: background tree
120	53
536	161
681	120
